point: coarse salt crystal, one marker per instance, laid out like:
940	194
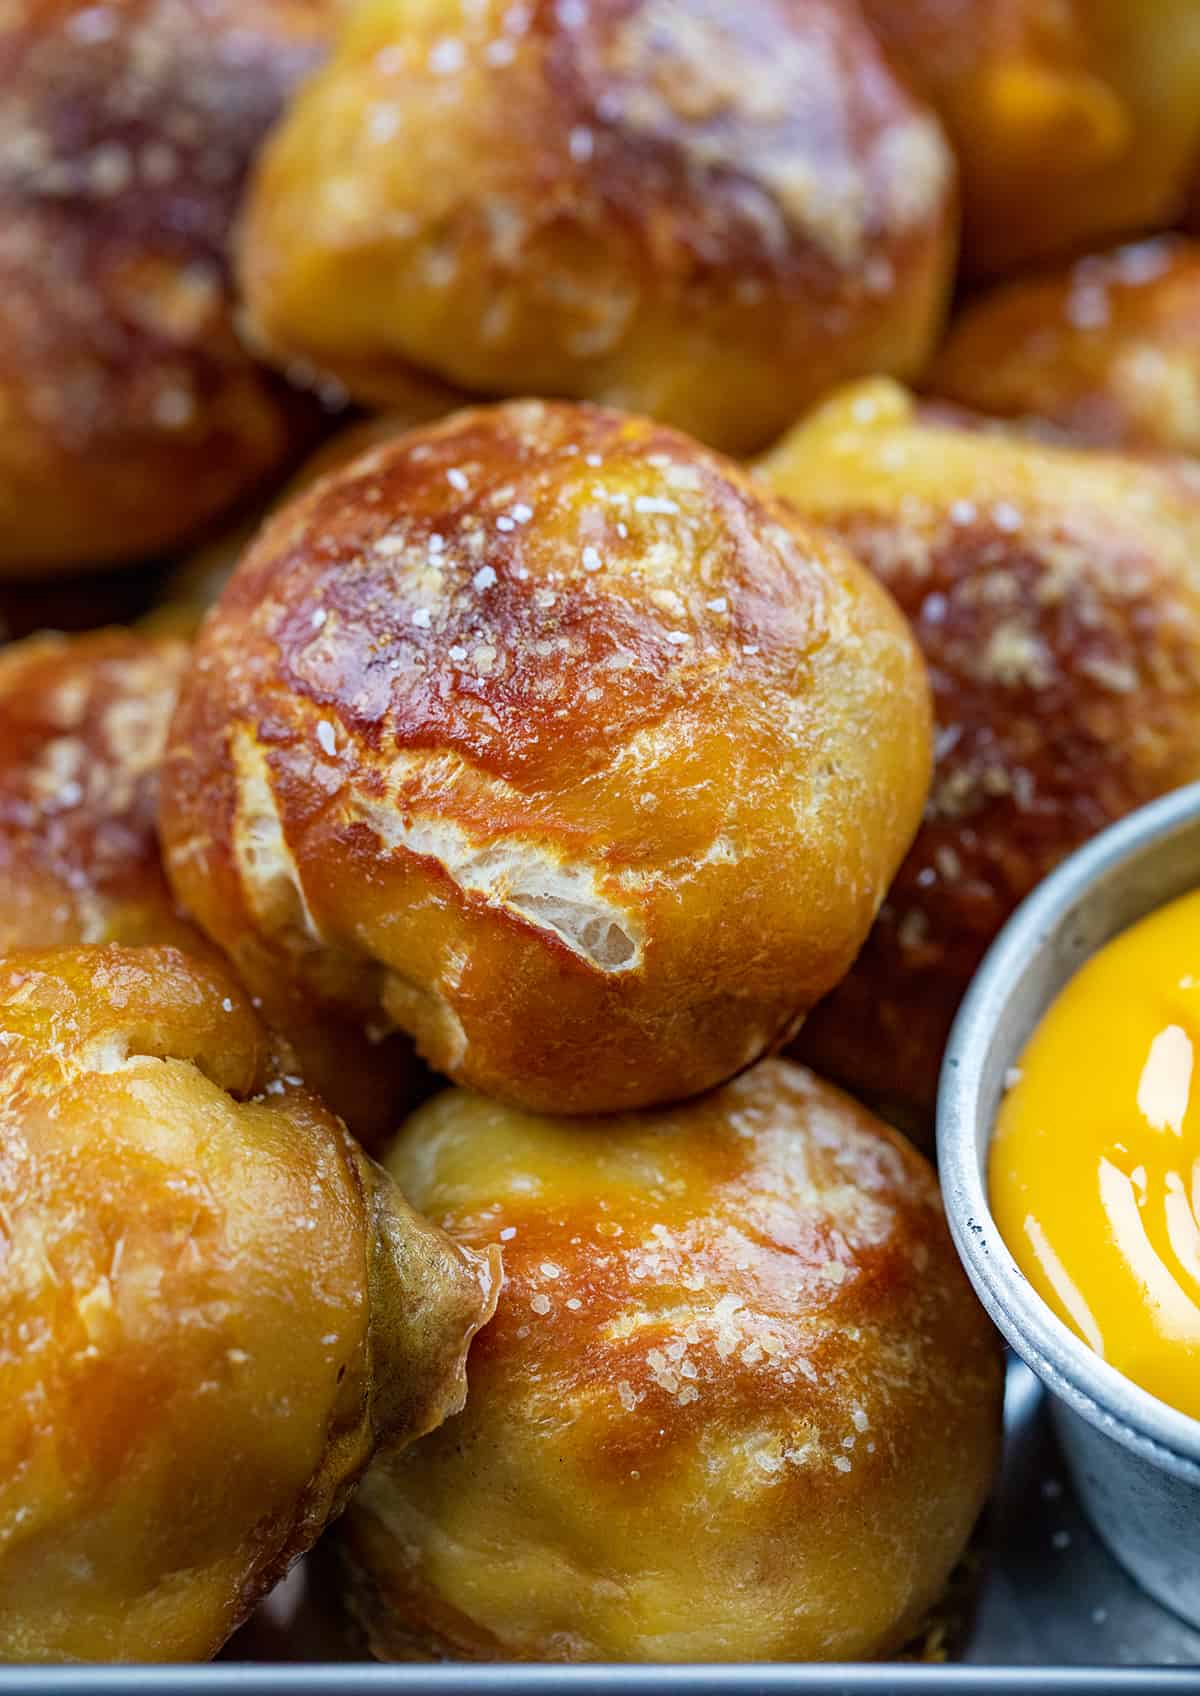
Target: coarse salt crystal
94	23
326	736
591	559
457	479
484	577
447	56
540	1304
420	617
719	604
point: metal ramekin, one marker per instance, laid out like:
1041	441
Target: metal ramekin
1134	1460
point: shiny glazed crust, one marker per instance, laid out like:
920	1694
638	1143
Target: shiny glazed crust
196	585
1056	596
210	1299
545	735
710	213
1074	121
83	724
132	414
1106	351
738	1400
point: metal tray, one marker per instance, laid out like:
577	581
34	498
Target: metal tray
1053	1613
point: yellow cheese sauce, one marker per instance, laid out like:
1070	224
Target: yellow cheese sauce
1095	1164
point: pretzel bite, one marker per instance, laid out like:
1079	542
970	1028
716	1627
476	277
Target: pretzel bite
1056	595
1106	351
710	213
213	1308
83	723
132	414
544	735
738	1401
1074	121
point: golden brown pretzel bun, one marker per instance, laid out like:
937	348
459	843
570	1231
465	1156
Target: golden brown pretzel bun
83	723
213	1309
1074	121
710	213
1056	596
545	735
195	585
738	1401
132	414
1106	351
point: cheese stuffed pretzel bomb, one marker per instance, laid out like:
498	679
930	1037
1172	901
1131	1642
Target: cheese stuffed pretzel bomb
1104	351
132	414
738	1401
83	726
214	1308
1074	122
1055	593
547	736
710	212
